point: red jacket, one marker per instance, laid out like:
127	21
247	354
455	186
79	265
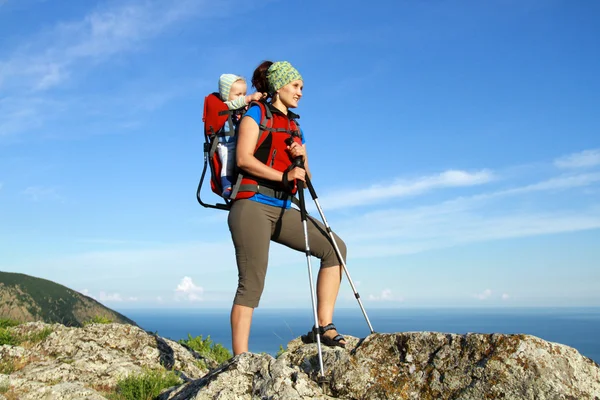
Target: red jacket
271	149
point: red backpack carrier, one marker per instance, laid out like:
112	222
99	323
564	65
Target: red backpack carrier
270	149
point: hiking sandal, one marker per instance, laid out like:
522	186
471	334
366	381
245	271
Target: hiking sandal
309	337
331	342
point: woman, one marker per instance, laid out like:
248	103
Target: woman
266	215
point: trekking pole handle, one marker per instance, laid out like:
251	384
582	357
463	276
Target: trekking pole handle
297	161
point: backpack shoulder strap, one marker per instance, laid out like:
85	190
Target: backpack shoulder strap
266	122
295	129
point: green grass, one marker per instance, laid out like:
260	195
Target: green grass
7	337
98	319
4	387
36	337
207	348
7	367
146	385
8	323
280	351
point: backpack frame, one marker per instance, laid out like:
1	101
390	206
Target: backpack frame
216	114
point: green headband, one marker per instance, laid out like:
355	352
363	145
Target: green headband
280	74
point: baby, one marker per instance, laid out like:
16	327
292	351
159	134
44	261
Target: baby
232	89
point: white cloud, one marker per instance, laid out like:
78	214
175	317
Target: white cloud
385	295
42	193
67	50
86	292
484	295
505	296
25	112
49	58
404	188
584	159
409	231
189	290
110	297
488	216
556	183
482	217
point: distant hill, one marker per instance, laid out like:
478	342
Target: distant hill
25	298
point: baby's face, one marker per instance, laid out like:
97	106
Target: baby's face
238	89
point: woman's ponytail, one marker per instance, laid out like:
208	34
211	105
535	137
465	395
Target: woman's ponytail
259	77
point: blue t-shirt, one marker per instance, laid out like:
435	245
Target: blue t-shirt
254	113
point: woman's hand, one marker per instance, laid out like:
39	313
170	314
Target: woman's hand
296	173
297	150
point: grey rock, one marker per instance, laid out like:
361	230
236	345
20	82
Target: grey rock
63	391
250	376
428	365
95	356
86	363
417	365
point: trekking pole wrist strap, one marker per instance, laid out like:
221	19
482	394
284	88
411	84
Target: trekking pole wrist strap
284	179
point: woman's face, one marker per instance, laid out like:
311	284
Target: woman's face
291	93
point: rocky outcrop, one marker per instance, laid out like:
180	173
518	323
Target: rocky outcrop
86	363
77	363
419	366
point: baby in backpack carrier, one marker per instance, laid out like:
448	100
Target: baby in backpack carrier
232	89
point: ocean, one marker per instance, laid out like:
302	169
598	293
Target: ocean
271	328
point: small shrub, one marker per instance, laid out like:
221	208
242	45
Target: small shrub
6	337
8	392
7	366
145	386
36	337
201	364
98	319
7	323
10	365
207	348
280	351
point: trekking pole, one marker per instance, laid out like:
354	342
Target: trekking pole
337	249
300	184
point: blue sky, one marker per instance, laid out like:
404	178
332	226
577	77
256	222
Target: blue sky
454	145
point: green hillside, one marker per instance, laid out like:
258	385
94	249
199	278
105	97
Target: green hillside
26	298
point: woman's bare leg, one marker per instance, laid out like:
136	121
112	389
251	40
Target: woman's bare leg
328	287
241	320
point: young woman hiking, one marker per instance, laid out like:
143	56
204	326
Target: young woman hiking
256	218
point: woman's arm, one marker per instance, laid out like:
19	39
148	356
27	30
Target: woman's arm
246	143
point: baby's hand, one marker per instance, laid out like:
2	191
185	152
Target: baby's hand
254	97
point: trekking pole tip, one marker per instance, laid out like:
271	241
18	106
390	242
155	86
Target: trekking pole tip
323	381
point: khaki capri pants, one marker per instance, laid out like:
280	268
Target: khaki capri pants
253	225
